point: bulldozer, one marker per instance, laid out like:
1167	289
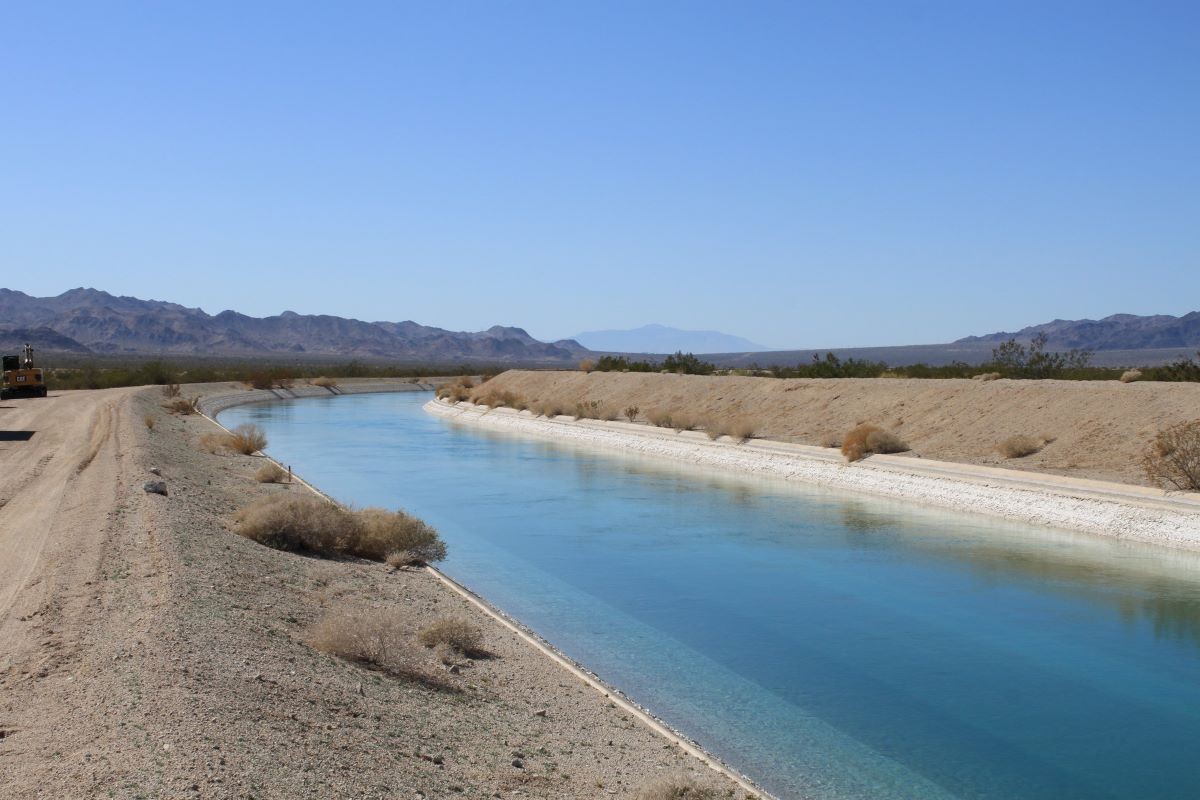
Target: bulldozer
21	377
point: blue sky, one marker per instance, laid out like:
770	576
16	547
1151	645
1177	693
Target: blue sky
801	174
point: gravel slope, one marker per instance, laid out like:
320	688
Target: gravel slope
1100	428
146	650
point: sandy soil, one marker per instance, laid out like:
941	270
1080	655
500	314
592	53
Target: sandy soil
146	650
1099	428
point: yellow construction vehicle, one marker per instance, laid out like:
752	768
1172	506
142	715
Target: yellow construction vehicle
21	377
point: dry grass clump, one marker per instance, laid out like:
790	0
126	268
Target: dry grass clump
631	413
865	439
550	409
659	417
170	390
150	421
376	640
742	429
182	405
313	524
684	421
1173	458
587	409
458	633
270	473
987	376
830	440
682	787
324	382
247	439
457	391
1020	445
1131	375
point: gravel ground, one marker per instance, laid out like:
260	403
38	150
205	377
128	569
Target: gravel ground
147	650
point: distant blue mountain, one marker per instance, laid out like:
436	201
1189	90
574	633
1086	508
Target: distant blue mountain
661	339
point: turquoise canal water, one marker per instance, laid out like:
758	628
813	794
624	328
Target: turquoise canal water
826	644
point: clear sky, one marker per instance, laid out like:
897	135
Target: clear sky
801	174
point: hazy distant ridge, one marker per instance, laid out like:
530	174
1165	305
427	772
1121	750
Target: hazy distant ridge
663	339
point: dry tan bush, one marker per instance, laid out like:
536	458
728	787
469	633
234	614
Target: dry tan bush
830	440
866	439
608	413
170	390
1131	375
713	427
987	376
246	439
742	429
456	632
150	421
587	365
375	639
1020	446
683	421
551	409
324	382
683	787
385	532
270	473
631	413
1173	458
587	409
182	405
659	417
304	522
520	403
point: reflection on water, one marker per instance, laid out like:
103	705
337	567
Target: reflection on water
827	644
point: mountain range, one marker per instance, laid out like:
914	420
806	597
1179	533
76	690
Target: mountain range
89	320
662	339
1116	332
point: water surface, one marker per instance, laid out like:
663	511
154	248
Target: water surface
826	644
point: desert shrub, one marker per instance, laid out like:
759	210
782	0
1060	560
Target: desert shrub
659	417
713	427
587	409
246	439
865	439
150	421
455	632
987	376
324	382
1130	375
587	365
520	403
304	523
550	409
742	429
270	473
182	405
170	390
677	788
631	413
374	639
1019	446
1173	458
608	413
385	532
683	421
830	440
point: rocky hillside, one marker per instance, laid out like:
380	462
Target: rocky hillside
1117	332
87	319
